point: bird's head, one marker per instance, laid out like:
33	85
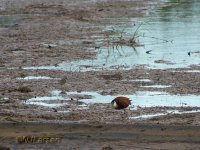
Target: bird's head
130	102
114	104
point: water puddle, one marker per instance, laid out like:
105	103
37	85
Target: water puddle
55	100
33	102
46	100
37	78
156	86
168	112
146	99
138	80
189	71
141	99
170	36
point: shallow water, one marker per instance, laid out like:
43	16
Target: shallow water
139	80
44	100
189	71
140	99
37	78
146	99
143	99
149	116
156	86
170	32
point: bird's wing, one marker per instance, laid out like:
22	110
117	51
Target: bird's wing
123	103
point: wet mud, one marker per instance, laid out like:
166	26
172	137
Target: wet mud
101	136
62	62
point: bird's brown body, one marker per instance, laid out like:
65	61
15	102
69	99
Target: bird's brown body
121	102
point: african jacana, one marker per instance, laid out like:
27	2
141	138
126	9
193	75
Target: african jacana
121	102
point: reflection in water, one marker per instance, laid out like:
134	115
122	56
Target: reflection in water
178	23
170	33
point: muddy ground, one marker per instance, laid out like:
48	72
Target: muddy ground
74	26
99	137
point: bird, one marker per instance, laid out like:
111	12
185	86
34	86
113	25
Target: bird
121	102
189	53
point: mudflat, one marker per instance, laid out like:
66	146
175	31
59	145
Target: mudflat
48	33
99	136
